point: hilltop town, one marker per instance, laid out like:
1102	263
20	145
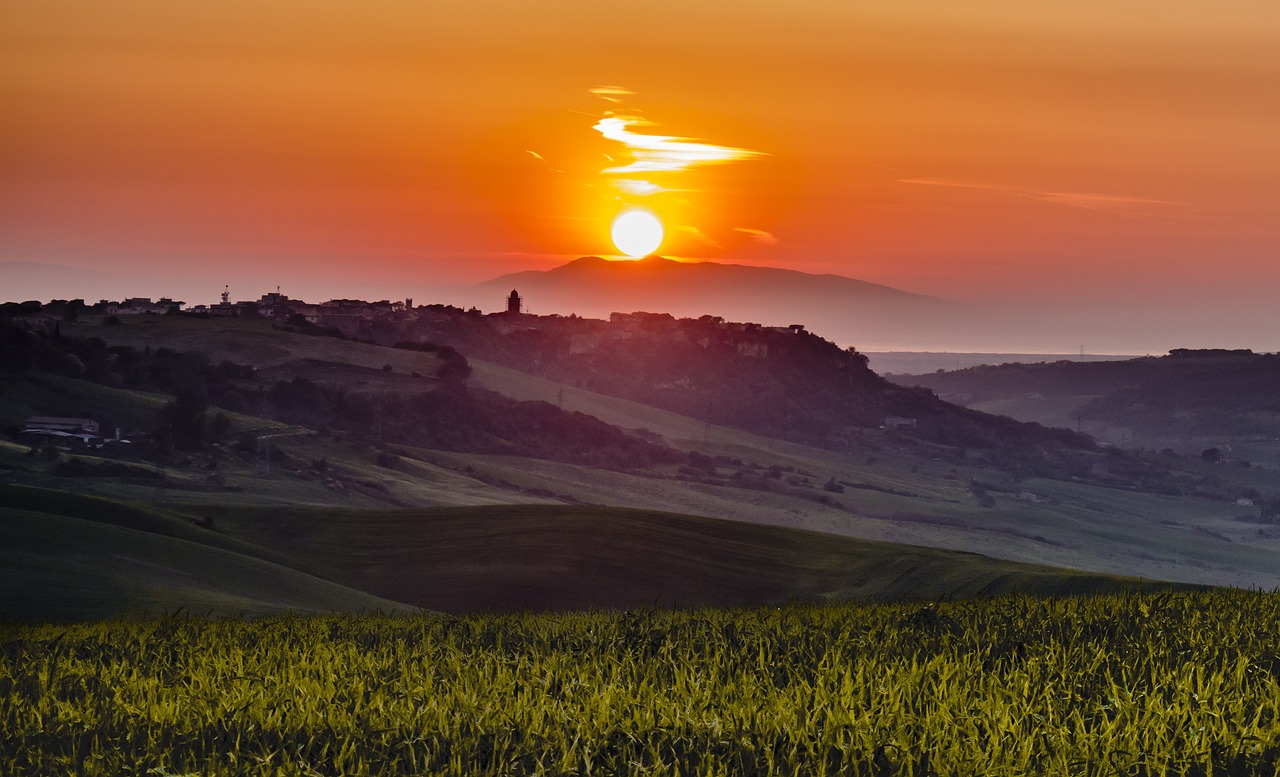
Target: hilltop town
357	318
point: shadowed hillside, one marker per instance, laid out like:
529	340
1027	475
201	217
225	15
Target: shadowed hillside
1189	400
73	557
70	558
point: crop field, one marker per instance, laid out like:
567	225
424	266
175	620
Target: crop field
1180	683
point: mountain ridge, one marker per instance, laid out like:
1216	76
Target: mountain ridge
851	310
660	263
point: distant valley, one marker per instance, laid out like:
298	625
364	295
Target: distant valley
442	408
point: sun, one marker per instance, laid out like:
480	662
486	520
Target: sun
637	233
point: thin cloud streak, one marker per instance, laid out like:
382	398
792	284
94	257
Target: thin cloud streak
700	236
639	188
758	235
1104	203
613	94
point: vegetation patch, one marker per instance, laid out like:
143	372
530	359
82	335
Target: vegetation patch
1174	684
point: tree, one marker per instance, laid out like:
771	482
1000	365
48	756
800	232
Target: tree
181	422
1211	455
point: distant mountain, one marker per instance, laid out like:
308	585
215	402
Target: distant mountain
904	363
846	310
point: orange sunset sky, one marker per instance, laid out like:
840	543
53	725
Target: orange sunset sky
1115	159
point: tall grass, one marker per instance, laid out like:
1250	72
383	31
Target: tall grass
1182	683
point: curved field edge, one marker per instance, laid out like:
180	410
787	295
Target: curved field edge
567	557
543	557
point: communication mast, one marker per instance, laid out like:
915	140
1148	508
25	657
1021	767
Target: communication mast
263	464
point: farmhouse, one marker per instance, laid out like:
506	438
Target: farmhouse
38	424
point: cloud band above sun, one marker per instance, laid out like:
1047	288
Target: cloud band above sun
664	153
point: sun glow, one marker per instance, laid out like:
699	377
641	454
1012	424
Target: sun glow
644	175
637	233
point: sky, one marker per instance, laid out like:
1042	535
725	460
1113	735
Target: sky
1108	162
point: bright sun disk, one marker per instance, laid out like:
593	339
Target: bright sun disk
637	233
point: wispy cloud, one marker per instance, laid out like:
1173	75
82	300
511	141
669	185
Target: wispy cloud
700	236
1106	203
663	153
758	235
613	94
639	188
1097	201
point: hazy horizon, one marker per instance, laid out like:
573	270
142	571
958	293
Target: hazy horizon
990	330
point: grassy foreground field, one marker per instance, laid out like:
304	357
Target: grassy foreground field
1184	683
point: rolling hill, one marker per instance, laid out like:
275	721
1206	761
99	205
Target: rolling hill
1187	401
72	557
881	484
68	558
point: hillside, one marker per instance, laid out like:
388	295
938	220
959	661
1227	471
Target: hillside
1188	401
74	557
1151	515
782	382
89	559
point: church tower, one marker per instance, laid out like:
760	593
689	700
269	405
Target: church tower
514	303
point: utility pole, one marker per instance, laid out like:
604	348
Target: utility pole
706	430
262	464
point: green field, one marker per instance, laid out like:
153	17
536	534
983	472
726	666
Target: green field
129	560
1171	684
70	557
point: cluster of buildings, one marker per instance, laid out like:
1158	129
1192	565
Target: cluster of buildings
68	432
337	312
